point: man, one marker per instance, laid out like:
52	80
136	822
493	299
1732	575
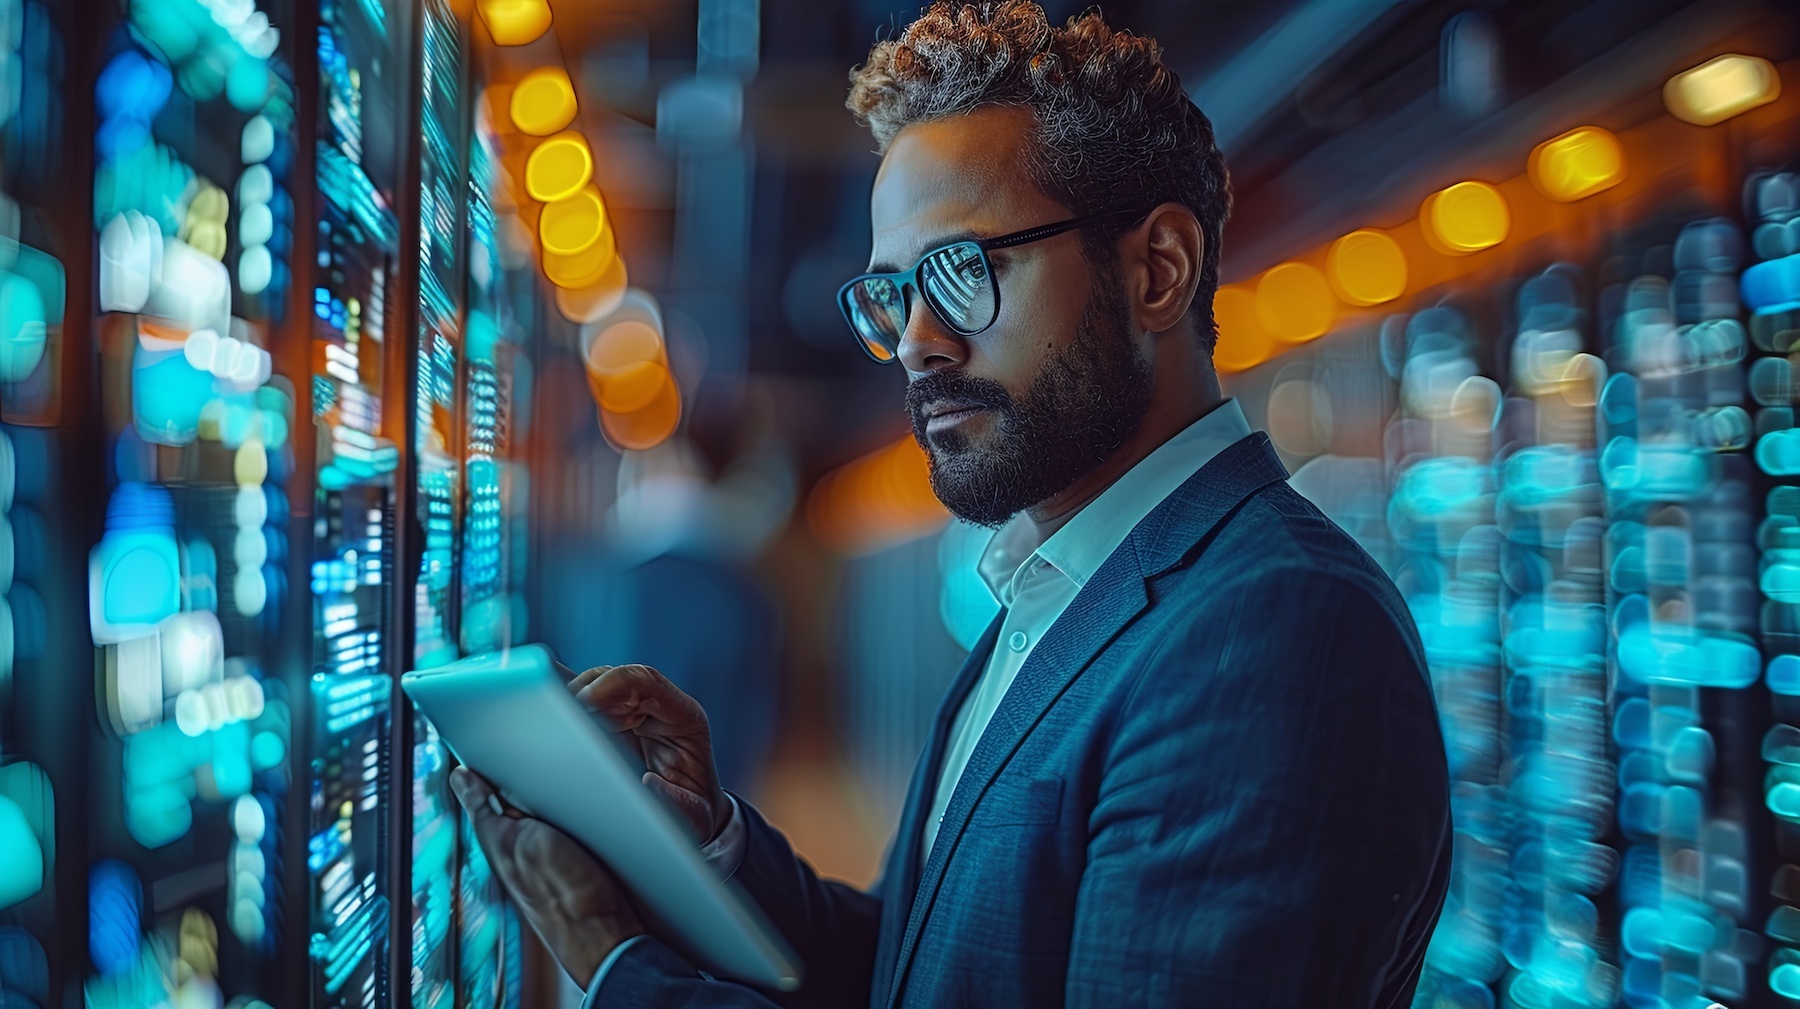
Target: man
1195	760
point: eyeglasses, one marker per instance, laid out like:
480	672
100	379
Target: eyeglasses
956	280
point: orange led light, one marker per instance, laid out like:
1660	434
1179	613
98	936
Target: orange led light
1467	217
1366	267
571	226
1243	342
1577	164
649	426
583	269
597	300
1294	303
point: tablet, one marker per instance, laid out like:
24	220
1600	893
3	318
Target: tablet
510	717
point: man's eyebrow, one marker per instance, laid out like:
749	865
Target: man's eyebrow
932	246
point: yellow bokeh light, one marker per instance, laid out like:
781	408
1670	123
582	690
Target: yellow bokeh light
1366	267
559	167
543	102
572	226
1243	342
1294	303
1720	88
1465	218
515	22
1577	164
585	268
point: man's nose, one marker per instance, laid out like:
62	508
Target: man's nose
927	344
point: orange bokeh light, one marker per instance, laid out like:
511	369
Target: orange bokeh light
1243	342
652	424
884	497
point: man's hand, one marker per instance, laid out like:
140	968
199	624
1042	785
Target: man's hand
669	730
573	902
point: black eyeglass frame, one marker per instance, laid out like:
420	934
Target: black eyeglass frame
910	278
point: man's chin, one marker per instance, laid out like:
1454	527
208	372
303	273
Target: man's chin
971	501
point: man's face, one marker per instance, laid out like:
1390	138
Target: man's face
1014	415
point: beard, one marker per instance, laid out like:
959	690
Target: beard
1086	401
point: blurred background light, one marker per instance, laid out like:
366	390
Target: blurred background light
1577	164
543	102
597	300
1465	218
1720	88
1294	303
559	167
584	269
515	22
1366	267
571	226
22	871
1243	342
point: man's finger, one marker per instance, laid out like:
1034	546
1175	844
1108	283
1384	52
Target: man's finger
481	802
627	692
495	832
478	798
582	679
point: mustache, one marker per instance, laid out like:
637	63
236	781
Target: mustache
956	386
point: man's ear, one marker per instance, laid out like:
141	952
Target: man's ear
1169	249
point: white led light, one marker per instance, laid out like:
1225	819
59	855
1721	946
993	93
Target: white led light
248	819
194	289
250	549
243	698
247	921
251	509
190	713
258	141
201	348
256	185
256	268
193	650
256	225
264	45
249	592
251	368
225	358
126	275
248	860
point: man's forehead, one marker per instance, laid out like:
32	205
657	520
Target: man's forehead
961	173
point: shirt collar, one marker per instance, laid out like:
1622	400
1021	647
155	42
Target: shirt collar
1092	534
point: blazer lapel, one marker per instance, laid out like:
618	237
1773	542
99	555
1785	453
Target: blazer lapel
1111	599
901	880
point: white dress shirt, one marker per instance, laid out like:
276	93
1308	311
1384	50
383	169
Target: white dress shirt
1035	582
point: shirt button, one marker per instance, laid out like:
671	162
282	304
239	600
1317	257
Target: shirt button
1018	641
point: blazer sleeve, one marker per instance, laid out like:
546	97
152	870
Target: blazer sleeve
831	926
1272	825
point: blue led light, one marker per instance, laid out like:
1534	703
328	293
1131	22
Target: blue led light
114	909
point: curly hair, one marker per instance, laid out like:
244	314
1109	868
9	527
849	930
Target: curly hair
1115	131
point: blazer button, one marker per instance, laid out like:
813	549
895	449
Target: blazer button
1018	641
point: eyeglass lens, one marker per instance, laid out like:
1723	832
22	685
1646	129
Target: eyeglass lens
955	280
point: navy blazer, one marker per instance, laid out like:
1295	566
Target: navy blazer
1218	781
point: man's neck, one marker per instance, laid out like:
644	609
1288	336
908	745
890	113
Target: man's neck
1162	422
